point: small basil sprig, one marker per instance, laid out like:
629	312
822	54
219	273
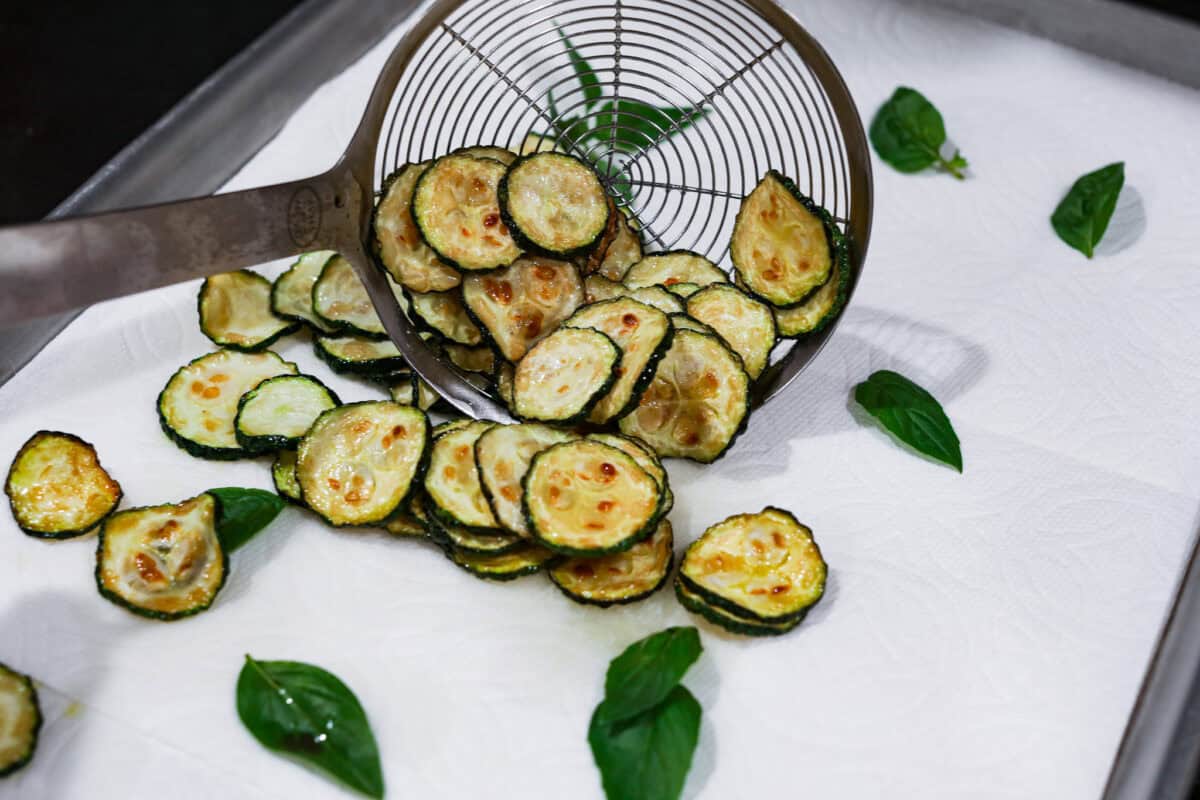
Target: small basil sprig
912	414
644	733
908	133
1082	217
306	712
242	513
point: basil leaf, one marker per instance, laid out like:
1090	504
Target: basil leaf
307	712
908	133
242	513
1083	215
640	125
642	676
912	414
647	757
583	72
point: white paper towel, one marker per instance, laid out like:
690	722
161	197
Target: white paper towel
982	636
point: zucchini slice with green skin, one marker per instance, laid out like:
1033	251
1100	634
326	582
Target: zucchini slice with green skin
503	378
353	355
291	294
57	488
407	389
619	578
480	359
443	313
199	404
283	475
457	211
823	306
697	403
467	542
565	375
782	245
520	305
683	289
746	325
682	322
764	567
502	456
397	244
554	203
162	562
275	414
406	525
624	251
505	566
723	619
452	483
20	720
235	311
360	462
341	302
501	154
642	333
671	267
645	457
450	426
539	143
585	498
597	289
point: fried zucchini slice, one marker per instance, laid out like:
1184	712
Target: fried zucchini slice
291	293
275	414
643	334
405	524
554	203
590	261
353	355
502	456
597	288
457	211
746	325
682	322
539	143
407	389
503	378
504	567
764	567
697	403
465	541
722	618
235	311
452	483
586	498
684	289
565	375
341	302
57	488
624	251
501	154
450	425
20	720
520	305
823	306
645	457
359	462
671	267
782	245
619	578
443	313
398	246
283	475
199	404
481	359
163	562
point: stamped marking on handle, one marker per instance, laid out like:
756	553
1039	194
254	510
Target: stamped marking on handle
304	216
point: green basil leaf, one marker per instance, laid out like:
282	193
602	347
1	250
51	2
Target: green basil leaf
242	513
908	133
647	757
642	676
912	414
639	125
583	72
1083	215
306	712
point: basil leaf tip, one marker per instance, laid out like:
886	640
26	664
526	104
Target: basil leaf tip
911	414
303	711
1082	216
646	672
908	132
242	513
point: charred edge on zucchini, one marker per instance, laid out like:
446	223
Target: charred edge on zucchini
518	306
620	578
389	441
235	311
505	567
624	251
57	487
565	375
818	311
502	457
585	498
723	619
22	718
672	267
778	586
162	562
444	314
554	203
452	483
291	294
197	407
456	208
747	325
283	475
397	244
276	413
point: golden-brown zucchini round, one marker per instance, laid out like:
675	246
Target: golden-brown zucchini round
565	375
746	325
620	578
291	293
723	619
20	720
57	488
554	203
452	482
444	314
398	246
235	311
502	456
671	267
520	305
823	306
457	210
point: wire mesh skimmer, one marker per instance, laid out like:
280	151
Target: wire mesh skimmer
681	105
